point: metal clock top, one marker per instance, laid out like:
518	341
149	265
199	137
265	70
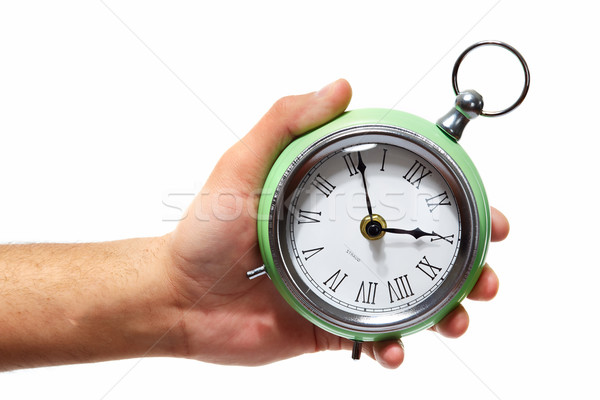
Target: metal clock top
513	51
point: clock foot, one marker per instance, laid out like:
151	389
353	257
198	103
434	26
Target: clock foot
356	350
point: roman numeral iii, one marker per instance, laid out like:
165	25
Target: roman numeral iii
416	173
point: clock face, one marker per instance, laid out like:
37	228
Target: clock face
388	271
371	232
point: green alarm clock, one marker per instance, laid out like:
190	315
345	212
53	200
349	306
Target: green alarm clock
377	223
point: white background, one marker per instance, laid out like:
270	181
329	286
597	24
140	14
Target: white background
107	109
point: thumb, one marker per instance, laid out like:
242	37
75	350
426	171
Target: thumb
248	161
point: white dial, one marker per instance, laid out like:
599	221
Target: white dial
372	229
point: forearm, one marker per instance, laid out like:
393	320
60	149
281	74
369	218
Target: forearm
69	303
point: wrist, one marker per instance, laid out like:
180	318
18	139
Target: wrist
159	325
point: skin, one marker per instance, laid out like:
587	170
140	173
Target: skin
185	294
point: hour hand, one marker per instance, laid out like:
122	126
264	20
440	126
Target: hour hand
418	233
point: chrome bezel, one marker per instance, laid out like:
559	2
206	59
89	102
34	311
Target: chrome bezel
468	227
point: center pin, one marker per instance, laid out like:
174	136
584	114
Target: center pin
373	229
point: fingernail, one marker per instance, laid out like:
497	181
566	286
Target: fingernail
325	89
400	343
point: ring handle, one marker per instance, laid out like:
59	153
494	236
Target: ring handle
513	51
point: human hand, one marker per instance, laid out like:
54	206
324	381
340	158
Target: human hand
228	319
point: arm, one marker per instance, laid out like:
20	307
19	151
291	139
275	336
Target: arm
72	303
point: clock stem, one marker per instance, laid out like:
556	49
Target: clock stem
356	350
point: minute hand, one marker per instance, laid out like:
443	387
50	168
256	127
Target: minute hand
361	168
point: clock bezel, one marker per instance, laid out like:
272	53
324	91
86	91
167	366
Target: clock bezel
469	223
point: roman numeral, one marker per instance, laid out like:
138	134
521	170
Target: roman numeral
416	173
424	264
323	185
311	252
436	201
350	164
367	296
403	286
448	238
383	161
334	280
304	217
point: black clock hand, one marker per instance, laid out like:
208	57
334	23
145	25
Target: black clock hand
361	167
418	233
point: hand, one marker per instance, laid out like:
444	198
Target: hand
227	319
362	167
416	233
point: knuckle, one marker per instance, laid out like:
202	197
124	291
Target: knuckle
282	106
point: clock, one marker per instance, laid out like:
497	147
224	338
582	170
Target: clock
376	225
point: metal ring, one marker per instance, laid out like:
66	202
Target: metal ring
512	50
